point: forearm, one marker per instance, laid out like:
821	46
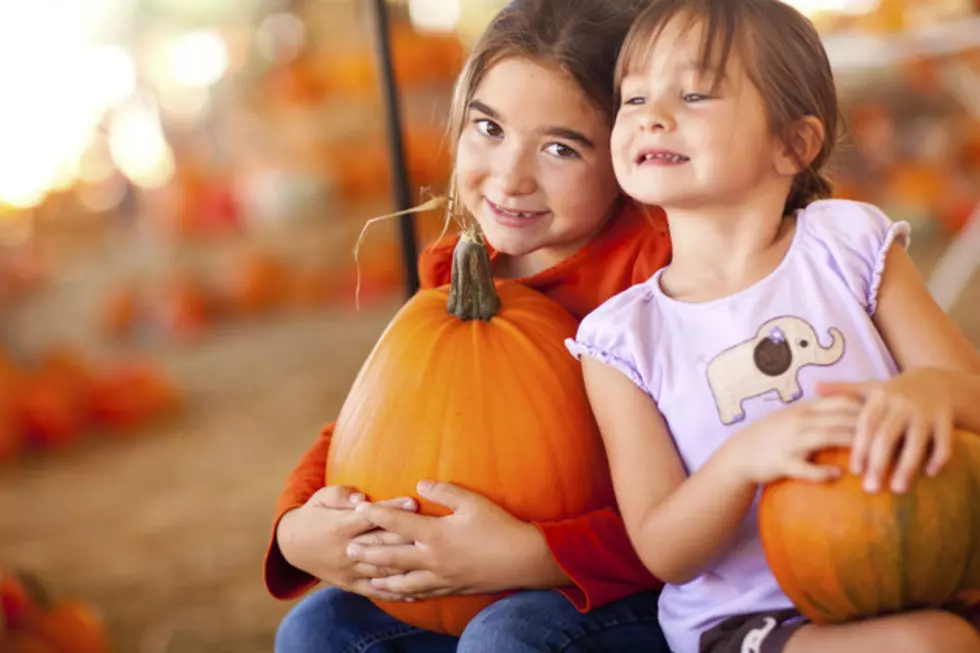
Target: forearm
282	578
678	538
286	539
964	389
534	565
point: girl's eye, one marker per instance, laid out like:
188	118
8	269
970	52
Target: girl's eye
634	100
489	128
695	97
561	151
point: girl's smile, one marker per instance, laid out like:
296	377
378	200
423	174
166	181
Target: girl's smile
516	217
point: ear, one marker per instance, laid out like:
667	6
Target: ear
800	147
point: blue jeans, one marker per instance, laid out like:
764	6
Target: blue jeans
334	621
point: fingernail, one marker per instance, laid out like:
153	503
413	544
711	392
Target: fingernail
409	600
898	487
357	497
364	506
409	505
870	485
353	550
425	486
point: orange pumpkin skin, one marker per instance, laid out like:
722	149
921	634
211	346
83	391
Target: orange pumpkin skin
70	626
841	554
129	393
498	407
21	642
15	600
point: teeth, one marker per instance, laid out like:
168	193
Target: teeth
673	158
517	214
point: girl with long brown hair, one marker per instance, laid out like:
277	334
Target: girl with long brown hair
533	111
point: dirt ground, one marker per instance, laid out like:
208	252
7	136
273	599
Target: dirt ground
165	531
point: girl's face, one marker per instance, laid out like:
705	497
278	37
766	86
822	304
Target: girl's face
680	143
533	164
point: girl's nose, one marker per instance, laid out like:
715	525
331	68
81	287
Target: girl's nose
657	118
515	173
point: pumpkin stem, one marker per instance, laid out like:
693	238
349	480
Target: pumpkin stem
434	203
35	589
472	292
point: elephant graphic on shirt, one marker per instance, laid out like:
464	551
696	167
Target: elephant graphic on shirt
769	362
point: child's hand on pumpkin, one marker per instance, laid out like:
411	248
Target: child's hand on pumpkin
912	412
314	538
478	548
780	444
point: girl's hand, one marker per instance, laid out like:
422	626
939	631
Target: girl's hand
913	411
780	445
478	548
315	537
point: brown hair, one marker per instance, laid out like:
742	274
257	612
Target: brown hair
784	58
581	37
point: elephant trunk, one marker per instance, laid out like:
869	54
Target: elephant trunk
832	354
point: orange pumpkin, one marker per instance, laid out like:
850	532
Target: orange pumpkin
185	309
11	435
57	625
15	600
841	554
72	367
309	287
130	393
258	283
471	384
52	410
119	312
70	626
21	642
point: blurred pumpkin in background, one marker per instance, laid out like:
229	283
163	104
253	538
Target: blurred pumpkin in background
257	283
119	312
11	435
54	402
185	308
127	394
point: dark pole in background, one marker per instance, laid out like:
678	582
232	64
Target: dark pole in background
396	147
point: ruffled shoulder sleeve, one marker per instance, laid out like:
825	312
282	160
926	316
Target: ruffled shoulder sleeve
621	333
854	237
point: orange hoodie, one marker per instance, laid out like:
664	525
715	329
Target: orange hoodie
593	550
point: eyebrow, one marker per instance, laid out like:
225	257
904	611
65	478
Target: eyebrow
560	132
711	71
688	66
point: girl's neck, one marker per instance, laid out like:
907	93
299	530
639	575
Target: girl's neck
534	263
719	251
526	265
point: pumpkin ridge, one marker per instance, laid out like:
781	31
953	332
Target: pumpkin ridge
908	508
973	565
813	601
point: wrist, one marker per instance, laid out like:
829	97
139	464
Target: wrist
537	567
730	462
285	534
